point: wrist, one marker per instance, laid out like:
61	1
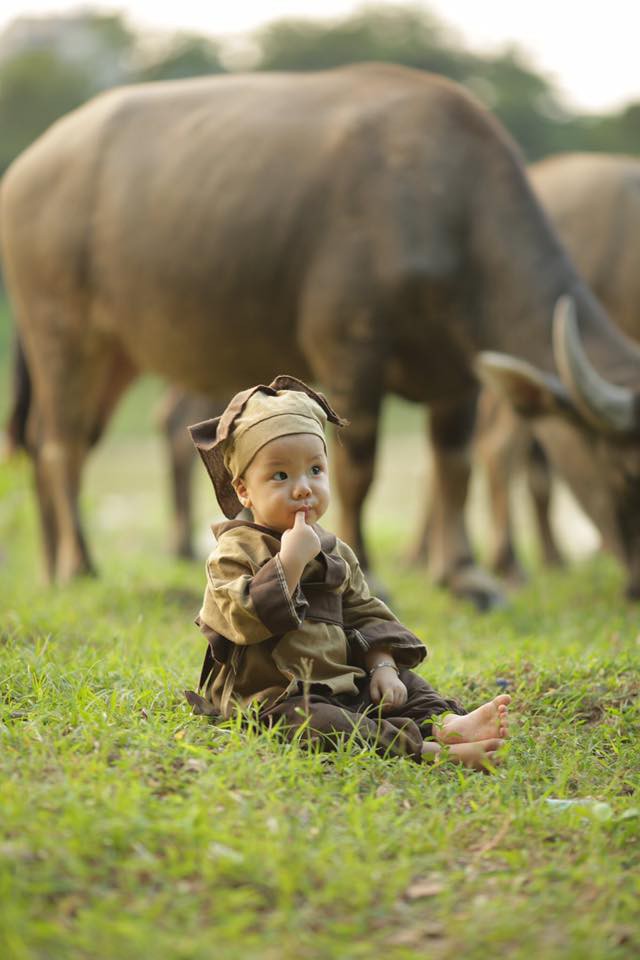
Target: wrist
384	665
290	552
292	568
379	654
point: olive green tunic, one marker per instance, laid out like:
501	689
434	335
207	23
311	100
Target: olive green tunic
265	644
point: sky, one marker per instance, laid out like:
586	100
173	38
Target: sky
590	51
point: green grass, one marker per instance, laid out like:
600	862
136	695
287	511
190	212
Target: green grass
131	829
5	358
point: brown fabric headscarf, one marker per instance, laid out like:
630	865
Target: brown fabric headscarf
228	443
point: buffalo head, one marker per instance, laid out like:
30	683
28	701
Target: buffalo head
590	429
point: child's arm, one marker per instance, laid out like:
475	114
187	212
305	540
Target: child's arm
248	600
384	641
374	627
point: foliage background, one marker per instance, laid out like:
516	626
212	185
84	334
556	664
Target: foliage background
46	79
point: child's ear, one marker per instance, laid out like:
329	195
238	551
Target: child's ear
242	493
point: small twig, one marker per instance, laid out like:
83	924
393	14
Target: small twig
493	842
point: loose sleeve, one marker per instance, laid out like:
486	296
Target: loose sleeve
371	623
247	603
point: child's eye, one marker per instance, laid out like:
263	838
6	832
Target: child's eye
279	475
316	470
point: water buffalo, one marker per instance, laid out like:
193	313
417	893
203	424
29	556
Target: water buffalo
594	202
179	408
370	228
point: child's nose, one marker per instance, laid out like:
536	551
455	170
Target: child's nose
302	488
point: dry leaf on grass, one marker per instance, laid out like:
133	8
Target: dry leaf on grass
426	887
414	936
384	789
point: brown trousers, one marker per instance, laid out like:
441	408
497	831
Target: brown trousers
324	720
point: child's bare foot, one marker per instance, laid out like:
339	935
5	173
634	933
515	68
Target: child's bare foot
479	755
489	720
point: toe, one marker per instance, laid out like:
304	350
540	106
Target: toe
502	699
493	759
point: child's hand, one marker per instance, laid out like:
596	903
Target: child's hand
387	689
300	544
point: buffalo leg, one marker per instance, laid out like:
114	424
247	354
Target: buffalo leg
57	444
501	447
174	419
75	391
46	512
539	480
502	559
353	454
343	345
353	462
498	448
451	560
418	552
59	465
178	410
181	472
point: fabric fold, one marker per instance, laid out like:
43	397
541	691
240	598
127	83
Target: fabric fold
274	605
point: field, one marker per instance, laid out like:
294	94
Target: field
131	829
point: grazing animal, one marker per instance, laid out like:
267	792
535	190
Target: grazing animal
178	409
369	228
594	202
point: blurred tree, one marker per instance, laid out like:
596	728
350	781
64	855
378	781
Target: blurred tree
613	133
524	100
114	48
65	60
407	35
184	56
629	128
59	62
35	89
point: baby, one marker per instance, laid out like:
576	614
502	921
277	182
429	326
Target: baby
291	626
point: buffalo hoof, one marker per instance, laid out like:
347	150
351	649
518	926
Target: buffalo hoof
68	573
418	554
512	574
551	558
183	551
478	586
632	591
504	563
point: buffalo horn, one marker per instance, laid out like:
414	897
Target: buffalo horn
604	404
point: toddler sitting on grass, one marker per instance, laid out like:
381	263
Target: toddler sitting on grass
291	626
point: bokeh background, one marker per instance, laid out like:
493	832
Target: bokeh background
557	76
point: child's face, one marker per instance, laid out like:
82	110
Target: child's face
287	475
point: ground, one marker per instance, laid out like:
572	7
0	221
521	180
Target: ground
132	829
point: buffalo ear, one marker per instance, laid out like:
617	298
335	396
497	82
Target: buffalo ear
531	392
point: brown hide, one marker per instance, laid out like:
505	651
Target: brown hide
368	228
177	410
594	202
